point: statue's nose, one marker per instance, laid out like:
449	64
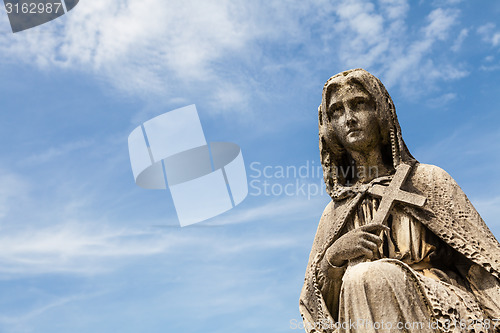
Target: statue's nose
350	118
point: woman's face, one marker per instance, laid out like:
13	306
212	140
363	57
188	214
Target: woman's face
351	113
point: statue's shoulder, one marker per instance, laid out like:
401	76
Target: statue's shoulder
425	173
436	184
329	210
328	222
333	211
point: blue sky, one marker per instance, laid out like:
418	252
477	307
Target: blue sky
83	249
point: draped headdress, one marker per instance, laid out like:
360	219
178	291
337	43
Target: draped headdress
334	157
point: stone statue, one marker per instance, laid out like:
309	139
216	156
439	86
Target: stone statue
400	248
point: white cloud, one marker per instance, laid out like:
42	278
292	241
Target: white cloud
73	248
380	40
88	248
55	152
489	34
442	100
489	68
17	322
440	3
278	209
495	40
361	34
166	49
440	22
486	28
460	39
141	47
180	49
415	64
395	9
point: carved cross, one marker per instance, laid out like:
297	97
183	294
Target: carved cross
393	193
390	195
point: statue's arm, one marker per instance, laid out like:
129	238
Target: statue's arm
486	288
454	219
328	276
329	282
457	222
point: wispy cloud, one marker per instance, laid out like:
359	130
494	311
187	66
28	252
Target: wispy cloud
379	40
465	142
489	68
73	248
141	47
174	49
414	63
55	152
446	2
178	49
16	322
442	100
88	248
275	209
489	34
460	40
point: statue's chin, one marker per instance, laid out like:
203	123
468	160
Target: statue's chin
357	141
360	141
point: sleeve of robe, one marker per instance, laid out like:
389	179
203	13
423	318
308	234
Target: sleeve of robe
451	216
329	278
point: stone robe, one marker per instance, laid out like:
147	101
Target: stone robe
437	269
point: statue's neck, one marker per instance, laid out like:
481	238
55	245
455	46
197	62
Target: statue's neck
369	165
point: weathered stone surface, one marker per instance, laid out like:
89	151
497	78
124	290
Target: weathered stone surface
399	247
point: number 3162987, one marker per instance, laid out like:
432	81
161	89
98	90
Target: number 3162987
33	8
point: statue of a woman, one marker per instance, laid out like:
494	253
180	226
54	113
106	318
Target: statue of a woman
380	265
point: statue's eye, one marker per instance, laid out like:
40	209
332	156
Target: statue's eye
360	103
335	111
338	110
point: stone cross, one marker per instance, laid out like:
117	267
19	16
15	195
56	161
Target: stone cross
390	195
393	193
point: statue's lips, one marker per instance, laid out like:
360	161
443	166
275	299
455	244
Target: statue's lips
354	131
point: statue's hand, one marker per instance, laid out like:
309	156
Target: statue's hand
360	242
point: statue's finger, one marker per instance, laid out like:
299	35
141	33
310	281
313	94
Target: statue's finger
372	238
375	227
367	253
372	246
